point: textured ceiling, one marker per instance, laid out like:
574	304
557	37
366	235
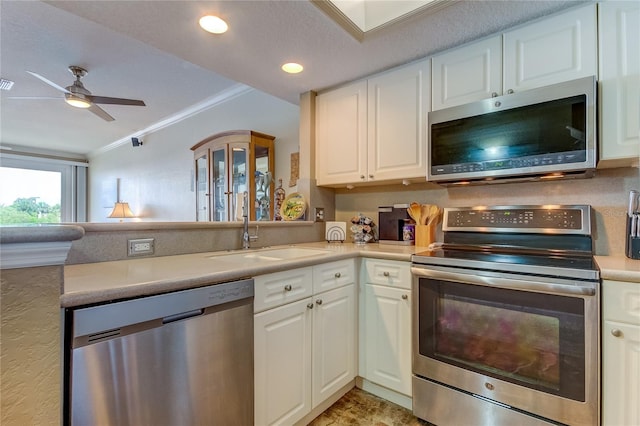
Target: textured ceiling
153	50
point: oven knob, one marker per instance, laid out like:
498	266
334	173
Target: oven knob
616	332
489	386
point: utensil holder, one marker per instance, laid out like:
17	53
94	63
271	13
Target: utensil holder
632	249
425	235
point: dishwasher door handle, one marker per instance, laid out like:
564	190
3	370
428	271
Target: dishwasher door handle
182	315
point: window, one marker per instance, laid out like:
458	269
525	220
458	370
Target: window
42	190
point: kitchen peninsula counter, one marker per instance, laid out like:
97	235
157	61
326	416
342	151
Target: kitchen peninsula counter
107	281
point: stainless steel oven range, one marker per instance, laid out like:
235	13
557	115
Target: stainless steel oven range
506	319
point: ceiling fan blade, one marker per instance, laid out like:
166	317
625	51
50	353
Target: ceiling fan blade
34	97
100	112
49	82
115	101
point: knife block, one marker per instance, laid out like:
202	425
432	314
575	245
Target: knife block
632	249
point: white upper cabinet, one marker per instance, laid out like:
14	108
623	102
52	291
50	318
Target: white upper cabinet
619	47
398	102
560	48
374	130
341	135
556	49
467	74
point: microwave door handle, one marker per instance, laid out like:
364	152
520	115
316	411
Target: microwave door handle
507	283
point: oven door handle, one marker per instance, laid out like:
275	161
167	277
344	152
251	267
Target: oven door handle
508	283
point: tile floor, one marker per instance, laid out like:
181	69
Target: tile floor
358	407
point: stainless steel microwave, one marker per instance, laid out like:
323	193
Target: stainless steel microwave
543	133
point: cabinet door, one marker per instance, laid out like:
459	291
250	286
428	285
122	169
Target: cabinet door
282	360
387	337
619	38
341	135
202	185
470	73
334	342
559	48
398	104
621	373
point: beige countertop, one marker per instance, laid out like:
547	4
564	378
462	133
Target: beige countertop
105	281
619	268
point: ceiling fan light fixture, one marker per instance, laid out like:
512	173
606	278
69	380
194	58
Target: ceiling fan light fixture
76	101
213	24
292	68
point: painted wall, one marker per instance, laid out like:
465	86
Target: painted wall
607	193
156	179
30	348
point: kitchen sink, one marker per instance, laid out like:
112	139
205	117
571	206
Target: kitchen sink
270	255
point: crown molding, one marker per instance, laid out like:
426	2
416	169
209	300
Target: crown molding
222	97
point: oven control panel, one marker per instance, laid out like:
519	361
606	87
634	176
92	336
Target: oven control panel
556	219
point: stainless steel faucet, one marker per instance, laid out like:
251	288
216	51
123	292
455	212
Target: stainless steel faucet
246	238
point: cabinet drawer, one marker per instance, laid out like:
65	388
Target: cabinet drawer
333	275
282	287
621	301
387	272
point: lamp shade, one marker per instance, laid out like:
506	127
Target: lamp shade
121	210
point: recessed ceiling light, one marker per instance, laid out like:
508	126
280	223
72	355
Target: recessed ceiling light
213	24
292	68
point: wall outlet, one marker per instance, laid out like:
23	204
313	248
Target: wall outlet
141	246
319	214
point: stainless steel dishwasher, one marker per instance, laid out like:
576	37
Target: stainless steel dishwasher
182	358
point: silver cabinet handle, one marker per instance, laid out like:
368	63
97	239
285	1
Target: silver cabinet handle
510	92
287	287
616	332
405	297
310	305
319	302
494	94
385	273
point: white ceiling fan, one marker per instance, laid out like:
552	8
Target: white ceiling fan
78	96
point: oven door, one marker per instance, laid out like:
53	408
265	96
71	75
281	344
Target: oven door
525	341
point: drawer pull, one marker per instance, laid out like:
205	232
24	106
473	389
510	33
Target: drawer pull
405	297
337	275
319	302
385	273
616	332
287	287
310	305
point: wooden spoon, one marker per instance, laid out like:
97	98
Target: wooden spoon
424	213
414	212
434	214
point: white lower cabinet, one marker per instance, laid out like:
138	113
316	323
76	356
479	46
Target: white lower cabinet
388	337
620	353
385	318
282	359
304	350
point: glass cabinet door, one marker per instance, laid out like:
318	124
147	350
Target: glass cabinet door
239	171
219	193
263	180
202	188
